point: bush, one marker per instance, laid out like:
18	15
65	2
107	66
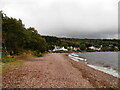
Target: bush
90	50
83	47
6	60
38	54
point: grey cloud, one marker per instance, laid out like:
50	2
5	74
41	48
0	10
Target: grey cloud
71	18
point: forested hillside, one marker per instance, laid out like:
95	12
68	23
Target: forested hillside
84	44
17	38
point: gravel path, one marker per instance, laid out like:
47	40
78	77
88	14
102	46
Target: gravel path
51	71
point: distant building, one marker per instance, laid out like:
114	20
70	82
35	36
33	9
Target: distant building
57	48
75	49
116	47
94	48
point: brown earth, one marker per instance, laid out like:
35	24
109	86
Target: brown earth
56	70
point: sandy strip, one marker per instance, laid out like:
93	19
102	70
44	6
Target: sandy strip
57	70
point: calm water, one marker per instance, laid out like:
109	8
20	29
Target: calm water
106	59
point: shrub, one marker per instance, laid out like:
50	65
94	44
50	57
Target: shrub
38	54
6	59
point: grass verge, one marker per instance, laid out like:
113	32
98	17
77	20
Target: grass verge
19	60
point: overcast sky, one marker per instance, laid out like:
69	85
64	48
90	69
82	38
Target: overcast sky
70	18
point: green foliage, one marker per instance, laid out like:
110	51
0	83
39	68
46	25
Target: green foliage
83	44
78	50
38	54
116	49
112	48
69	49
82	47
90	50
17	38
8	59
52	41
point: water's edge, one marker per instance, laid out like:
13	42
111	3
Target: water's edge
110	71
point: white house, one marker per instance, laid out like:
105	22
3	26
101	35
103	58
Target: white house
116	47
94	48
75	49
57	48
71	47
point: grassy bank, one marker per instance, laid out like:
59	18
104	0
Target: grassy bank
17	61
0	68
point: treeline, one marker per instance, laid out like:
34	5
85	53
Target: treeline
84	44
17	38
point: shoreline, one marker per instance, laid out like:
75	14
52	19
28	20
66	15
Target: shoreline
95	76
109	70
57	70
